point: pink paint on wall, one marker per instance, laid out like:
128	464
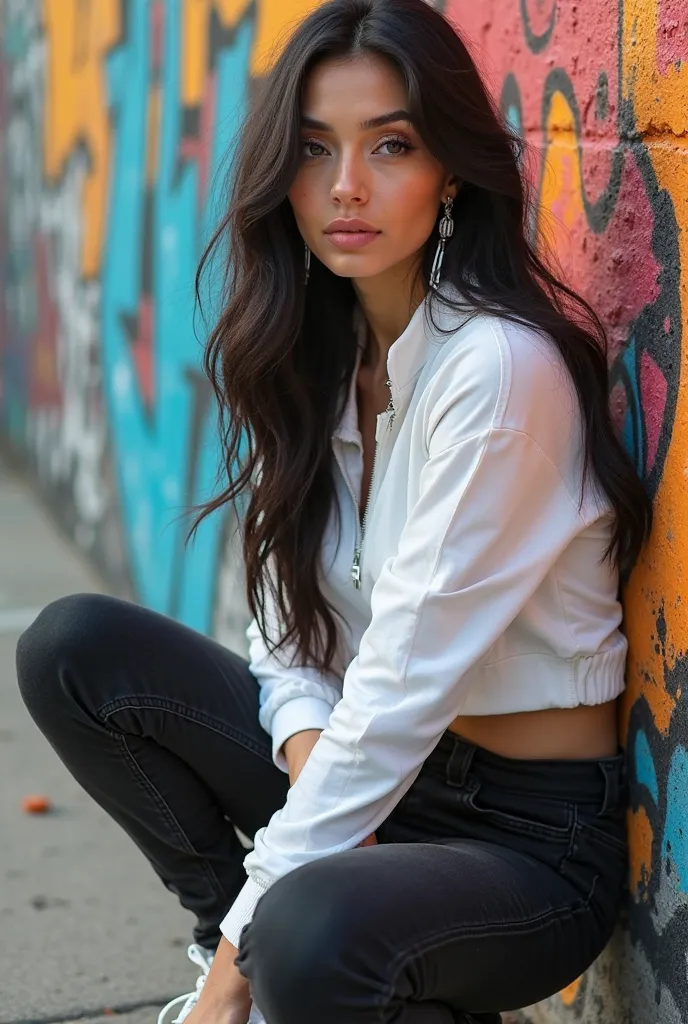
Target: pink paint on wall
581	57
653	393
672	33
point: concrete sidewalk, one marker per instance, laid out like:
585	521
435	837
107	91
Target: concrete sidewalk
86	927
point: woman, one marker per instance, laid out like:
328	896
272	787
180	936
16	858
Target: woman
423	744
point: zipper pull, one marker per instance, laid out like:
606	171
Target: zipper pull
390	407
356	569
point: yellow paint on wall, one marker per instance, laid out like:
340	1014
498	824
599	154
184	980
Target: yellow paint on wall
79	35
274	21
196	25
561	194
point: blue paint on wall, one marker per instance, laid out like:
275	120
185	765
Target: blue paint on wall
675	838
645	771
166	451
633	435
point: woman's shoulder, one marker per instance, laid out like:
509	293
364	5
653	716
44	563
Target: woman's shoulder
501	375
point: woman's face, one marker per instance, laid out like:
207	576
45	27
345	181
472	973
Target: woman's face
368	191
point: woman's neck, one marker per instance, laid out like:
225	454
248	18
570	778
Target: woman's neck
388	302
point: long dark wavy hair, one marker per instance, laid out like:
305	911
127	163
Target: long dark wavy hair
281	353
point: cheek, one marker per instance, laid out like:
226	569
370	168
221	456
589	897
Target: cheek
302	200
415	207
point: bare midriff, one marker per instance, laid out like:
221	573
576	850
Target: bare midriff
558	733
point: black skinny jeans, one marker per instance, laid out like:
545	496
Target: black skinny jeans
495	883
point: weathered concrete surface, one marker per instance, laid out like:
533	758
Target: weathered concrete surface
140	1016
84	923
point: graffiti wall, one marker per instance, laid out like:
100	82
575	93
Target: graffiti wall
116	118
117	121
600	90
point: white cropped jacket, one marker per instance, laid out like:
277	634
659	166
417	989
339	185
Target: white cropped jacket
482	585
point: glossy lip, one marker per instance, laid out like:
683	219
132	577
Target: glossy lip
351	234
350	225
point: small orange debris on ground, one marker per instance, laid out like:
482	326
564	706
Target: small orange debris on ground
36	804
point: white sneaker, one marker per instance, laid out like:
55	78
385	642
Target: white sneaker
204	959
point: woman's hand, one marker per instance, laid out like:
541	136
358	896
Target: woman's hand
225	997
370	841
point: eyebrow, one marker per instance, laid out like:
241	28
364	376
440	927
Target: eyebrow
373	122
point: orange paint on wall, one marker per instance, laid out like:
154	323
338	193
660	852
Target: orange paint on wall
660	100
569	994
79	35
640	852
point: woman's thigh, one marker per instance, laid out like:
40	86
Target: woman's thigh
93	667
471	925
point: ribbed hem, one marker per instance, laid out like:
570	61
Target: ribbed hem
532	682
241	912
600	678
297	715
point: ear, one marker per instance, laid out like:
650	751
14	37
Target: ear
451	187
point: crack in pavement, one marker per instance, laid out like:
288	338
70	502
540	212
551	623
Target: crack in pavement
94	1013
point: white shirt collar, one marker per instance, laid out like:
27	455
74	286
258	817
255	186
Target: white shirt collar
405	359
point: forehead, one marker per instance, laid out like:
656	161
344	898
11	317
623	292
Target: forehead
349	91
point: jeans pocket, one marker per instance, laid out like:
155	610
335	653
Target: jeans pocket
523	814
613	836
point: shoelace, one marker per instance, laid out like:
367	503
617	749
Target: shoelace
204	960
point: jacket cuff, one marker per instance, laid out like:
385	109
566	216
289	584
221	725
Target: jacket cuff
241	911
296	715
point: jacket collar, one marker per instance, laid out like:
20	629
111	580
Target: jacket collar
405	360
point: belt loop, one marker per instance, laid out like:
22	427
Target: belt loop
612	786
459	762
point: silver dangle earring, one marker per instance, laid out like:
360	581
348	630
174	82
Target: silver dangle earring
308	263
446	231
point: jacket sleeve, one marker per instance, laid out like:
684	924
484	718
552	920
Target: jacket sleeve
492	516
291	698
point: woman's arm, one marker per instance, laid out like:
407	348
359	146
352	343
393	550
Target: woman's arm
297	750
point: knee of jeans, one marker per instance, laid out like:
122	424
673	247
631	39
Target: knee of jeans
305	946
61	631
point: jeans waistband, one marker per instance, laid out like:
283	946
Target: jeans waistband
599	781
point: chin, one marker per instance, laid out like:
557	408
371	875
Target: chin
356	268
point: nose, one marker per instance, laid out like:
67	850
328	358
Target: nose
350	184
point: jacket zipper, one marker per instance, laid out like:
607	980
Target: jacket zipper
360	532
